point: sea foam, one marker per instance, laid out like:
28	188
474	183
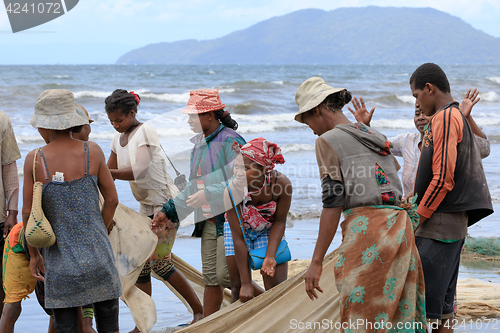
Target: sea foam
489	96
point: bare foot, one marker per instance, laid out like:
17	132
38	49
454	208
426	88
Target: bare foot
135	330
197	317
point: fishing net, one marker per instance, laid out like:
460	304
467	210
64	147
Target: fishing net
489	246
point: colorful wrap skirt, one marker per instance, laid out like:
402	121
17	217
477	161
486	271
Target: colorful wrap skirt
378	273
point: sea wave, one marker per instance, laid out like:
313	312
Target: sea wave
489	96
487	121
61	76
408	99
23	139
181	98
296	147
495	79
92	93
393	123
494	192
174	98
390	101
227	90
104	136
310	214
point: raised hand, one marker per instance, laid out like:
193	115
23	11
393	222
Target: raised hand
360	112
470	99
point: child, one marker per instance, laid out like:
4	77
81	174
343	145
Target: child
265	196
136	157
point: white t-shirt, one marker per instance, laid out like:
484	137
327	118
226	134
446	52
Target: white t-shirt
156	186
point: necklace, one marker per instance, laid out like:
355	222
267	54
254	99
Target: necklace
131	128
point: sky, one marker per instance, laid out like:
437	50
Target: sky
99	31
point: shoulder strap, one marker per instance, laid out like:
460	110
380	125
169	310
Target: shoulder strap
172	164
34	165
86	158
44	165
237	214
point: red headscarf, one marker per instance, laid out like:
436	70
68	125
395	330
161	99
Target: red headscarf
262	152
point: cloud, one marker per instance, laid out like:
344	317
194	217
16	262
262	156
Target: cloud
125	8
153	21
4	19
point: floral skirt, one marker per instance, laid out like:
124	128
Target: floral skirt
378	273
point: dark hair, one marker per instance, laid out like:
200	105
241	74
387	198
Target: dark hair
75	129
337	100
121	100
225	119
430	73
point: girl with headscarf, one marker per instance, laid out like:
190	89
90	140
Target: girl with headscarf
262	197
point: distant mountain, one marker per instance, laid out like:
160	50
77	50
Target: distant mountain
368	35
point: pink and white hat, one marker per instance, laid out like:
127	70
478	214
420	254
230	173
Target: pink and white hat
203	100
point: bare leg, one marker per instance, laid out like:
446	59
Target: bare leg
52	328
212	300
280	275
257	290
87	326
445	327
87	321
146	287
181	284
10	314
2	297
80	320
234	277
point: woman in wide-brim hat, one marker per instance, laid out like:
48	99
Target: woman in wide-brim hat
79	268
378	273
211	169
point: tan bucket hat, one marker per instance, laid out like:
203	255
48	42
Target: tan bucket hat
56	109
311	93
84	113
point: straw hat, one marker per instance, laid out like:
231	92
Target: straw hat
312	92
203	100
56	109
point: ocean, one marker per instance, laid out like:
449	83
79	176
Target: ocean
261	99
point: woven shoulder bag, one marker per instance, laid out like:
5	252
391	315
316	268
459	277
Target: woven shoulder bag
38	231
